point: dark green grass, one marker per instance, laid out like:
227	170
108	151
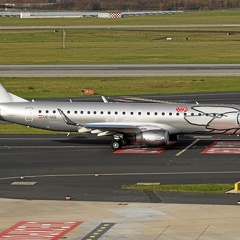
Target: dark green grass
123	45
120	46
58	87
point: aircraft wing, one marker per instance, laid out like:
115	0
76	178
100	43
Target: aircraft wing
101	127
118	127
111	127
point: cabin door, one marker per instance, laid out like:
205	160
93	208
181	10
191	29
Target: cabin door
29	114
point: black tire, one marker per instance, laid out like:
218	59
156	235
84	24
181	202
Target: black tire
116	145
124	142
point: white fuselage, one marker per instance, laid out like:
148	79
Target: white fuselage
175	118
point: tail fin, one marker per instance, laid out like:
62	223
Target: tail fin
8	97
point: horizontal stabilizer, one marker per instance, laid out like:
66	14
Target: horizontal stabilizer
8	97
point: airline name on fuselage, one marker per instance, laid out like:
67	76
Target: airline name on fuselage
181	109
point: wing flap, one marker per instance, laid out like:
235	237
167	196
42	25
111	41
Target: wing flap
113	127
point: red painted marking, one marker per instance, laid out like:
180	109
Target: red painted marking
133	149
223	147
206	150
181	109
222	151
139	151
213	144
25	230
228	144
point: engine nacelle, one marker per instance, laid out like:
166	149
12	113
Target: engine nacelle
153	138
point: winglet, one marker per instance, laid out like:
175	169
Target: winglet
104	99
66	119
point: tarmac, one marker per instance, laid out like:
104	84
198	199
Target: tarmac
133	221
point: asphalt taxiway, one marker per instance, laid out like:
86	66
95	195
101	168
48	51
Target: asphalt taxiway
52	166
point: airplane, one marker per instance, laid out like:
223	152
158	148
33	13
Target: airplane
147	124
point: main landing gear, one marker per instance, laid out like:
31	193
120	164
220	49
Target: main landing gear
119	141
116	145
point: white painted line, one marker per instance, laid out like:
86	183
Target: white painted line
186	148
203	137
148	183
23	183
124	174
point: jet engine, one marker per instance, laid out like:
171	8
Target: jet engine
153	138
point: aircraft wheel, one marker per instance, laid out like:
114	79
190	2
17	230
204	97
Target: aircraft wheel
116	145
124	142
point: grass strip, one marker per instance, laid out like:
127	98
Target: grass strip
9	128
62	87
194	188
121	46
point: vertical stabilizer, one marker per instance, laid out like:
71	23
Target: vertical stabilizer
8	97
